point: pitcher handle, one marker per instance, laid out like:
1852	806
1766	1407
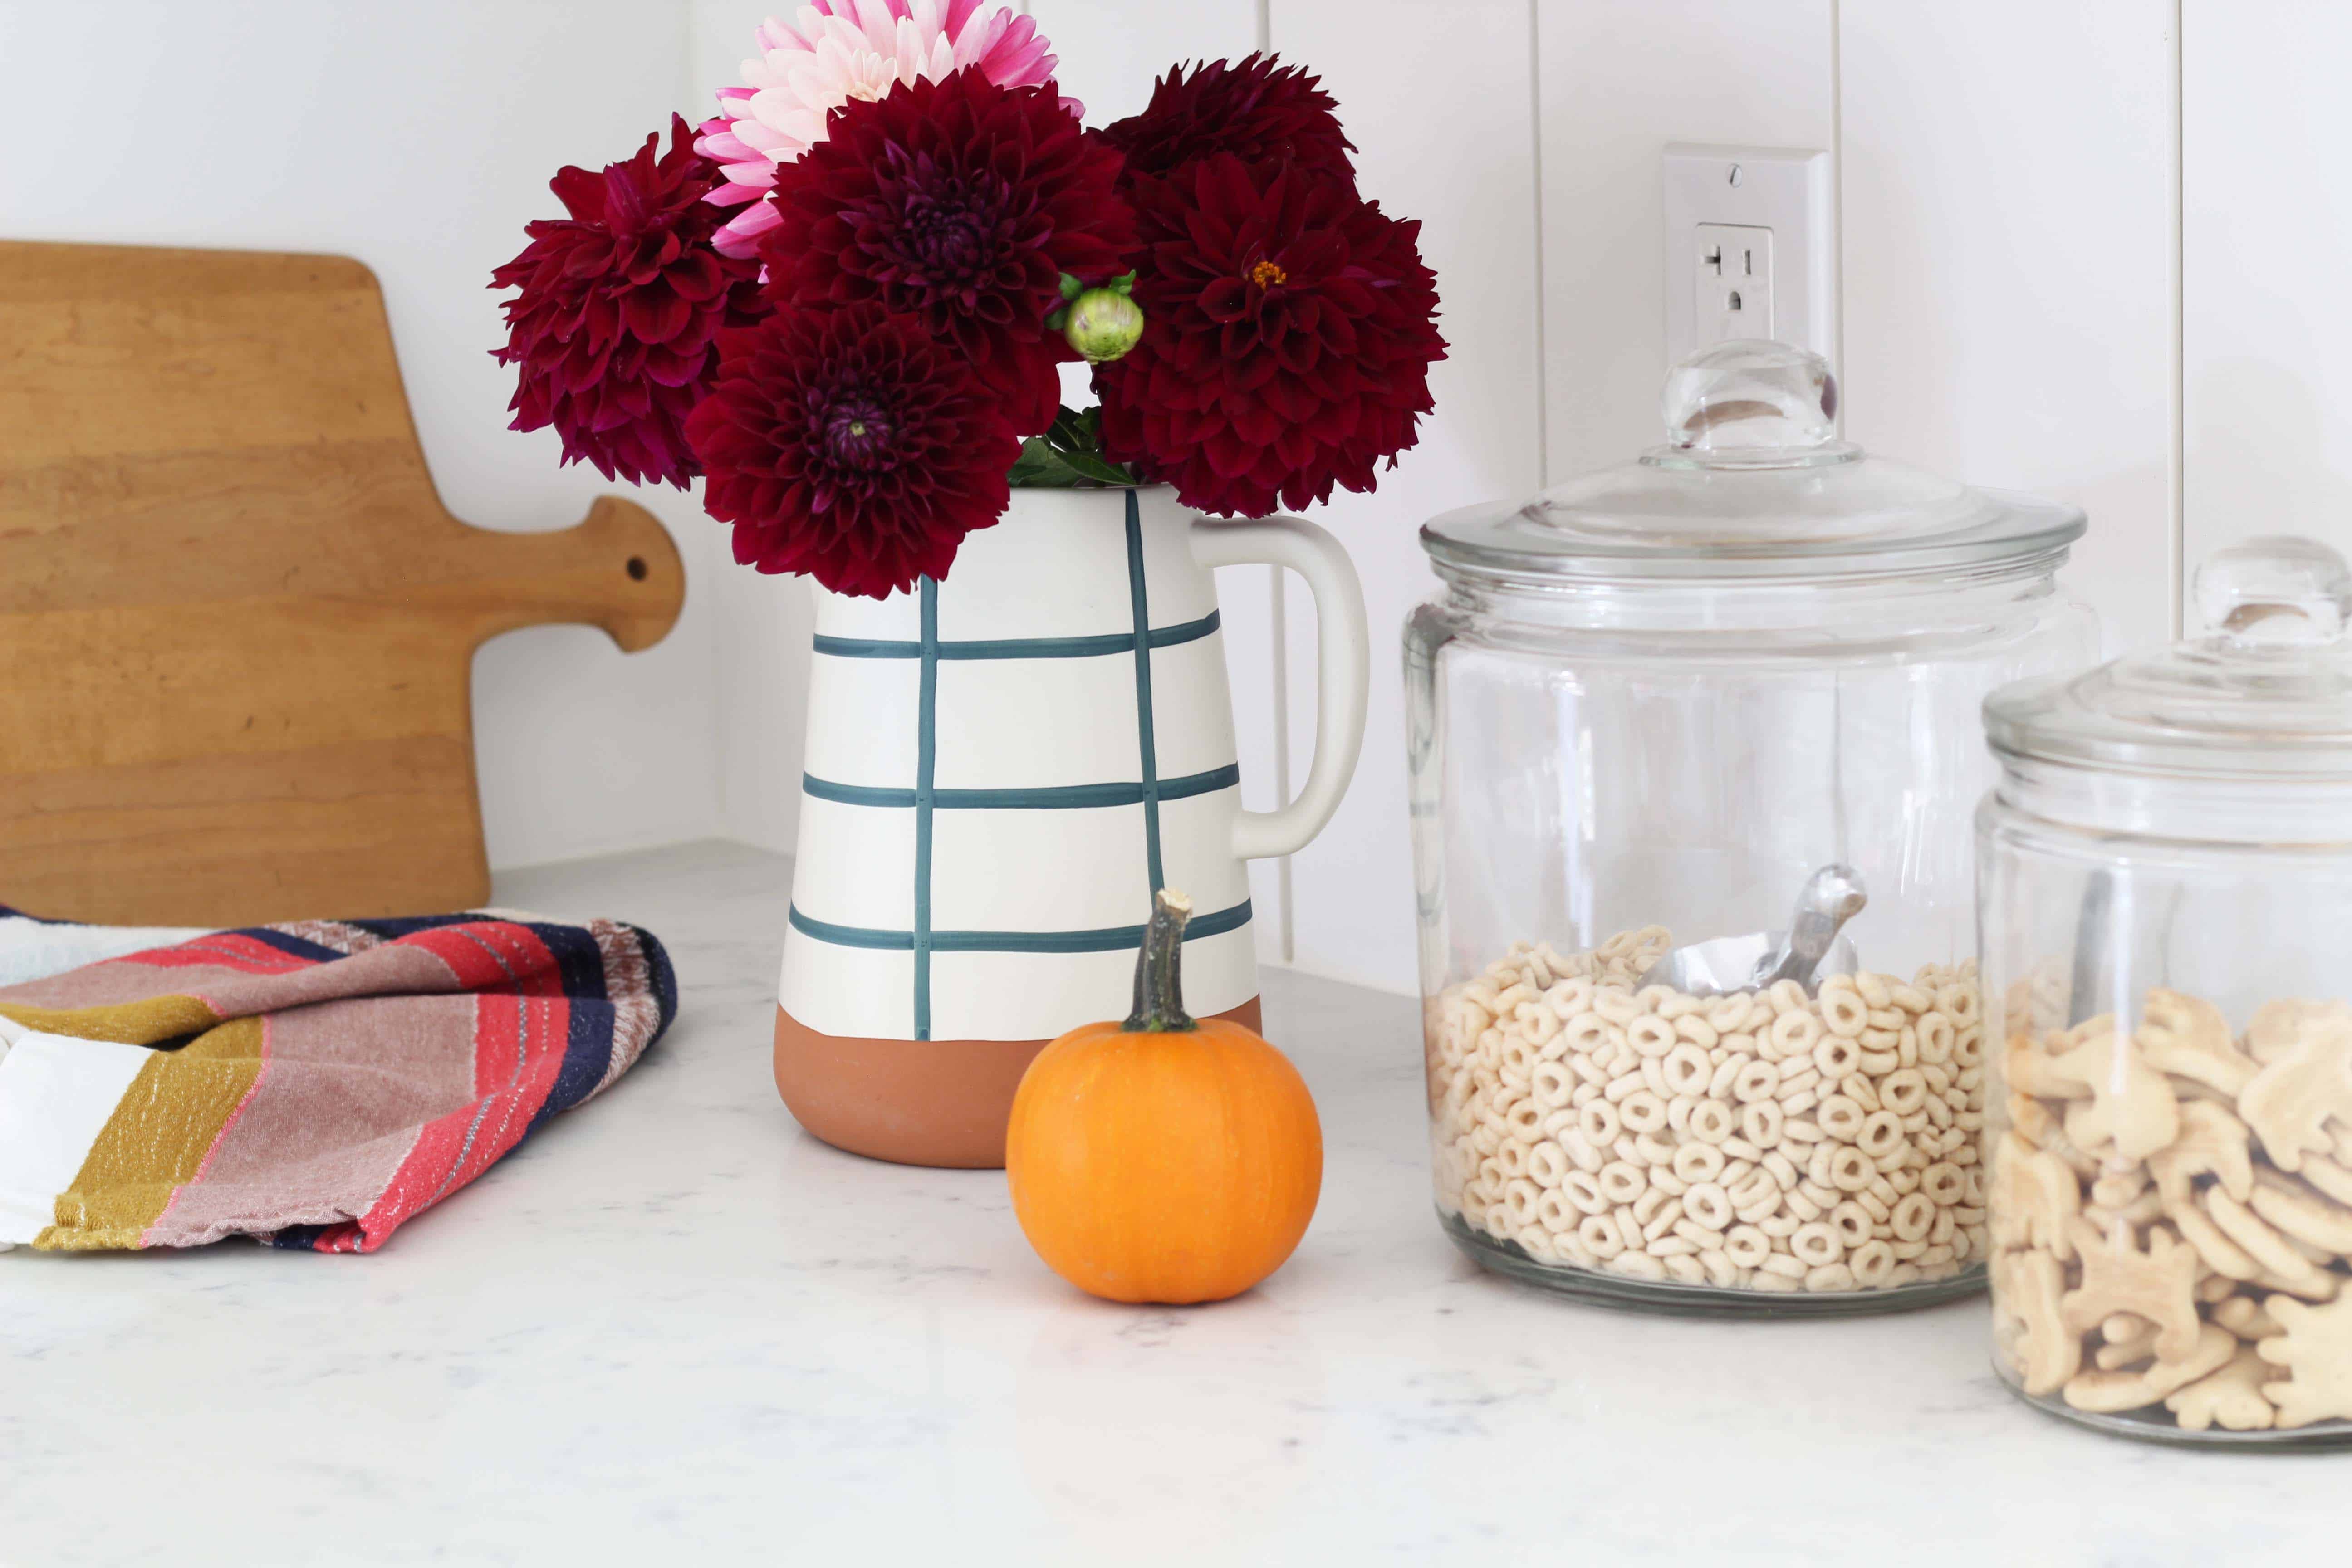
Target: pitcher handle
1343	668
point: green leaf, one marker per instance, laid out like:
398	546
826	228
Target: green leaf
1039	466
1071	287
1069	453
1098	468
1067	433
1124	283
1058	320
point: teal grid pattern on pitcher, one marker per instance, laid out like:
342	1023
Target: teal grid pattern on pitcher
925	798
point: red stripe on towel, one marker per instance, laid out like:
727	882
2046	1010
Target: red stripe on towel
224	949
519	1046
493	955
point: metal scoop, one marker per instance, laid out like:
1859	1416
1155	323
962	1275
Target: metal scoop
1809	949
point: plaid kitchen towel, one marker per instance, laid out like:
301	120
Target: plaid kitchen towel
312	1085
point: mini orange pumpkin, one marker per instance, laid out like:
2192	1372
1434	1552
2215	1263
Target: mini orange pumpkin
1163	1159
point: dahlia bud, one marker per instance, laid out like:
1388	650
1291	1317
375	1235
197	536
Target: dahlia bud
1104	324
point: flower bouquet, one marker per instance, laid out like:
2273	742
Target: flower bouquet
844	301
846	304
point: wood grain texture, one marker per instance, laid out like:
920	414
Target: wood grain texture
236	626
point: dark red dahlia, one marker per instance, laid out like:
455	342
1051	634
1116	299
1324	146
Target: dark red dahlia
1289	328
1256	110
959	203
853	445
620	305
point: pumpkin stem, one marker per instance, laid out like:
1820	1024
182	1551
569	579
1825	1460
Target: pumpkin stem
1158	988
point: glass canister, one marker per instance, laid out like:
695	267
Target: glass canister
2167	875
1664	704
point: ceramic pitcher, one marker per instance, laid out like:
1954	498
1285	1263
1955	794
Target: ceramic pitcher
1002	768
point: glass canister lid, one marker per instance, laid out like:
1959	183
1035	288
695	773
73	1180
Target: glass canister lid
1751	484
2266	695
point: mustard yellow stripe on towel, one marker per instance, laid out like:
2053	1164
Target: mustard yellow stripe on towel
160	1132
146	1023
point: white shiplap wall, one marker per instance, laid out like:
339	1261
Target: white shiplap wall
2037	291
1446	133
2266	236
2007	308
1619	81
2088	247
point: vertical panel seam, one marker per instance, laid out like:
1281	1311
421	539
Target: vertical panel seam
2176	457
725	673
1837	200
1535	163
925	769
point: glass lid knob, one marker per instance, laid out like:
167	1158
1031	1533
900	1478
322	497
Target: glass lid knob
2279	590
1750	397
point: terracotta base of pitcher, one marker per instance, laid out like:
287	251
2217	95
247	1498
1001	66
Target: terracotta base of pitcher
913	1102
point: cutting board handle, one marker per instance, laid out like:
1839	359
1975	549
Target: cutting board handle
618	569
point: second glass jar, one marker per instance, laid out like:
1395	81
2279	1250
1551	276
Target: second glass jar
2166	909
1660	707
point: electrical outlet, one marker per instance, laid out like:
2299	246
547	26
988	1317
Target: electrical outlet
1748	248
1734	273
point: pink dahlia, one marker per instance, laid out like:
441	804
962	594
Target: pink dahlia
852	445
843	51
620	304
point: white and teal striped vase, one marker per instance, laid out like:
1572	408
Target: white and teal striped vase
1002	768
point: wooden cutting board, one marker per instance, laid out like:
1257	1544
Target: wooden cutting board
237	627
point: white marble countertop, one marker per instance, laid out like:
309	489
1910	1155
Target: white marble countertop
672	1328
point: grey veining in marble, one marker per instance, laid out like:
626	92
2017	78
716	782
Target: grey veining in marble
673	1329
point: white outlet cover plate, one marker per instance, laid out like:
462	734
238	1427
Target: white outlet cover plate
1784	189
